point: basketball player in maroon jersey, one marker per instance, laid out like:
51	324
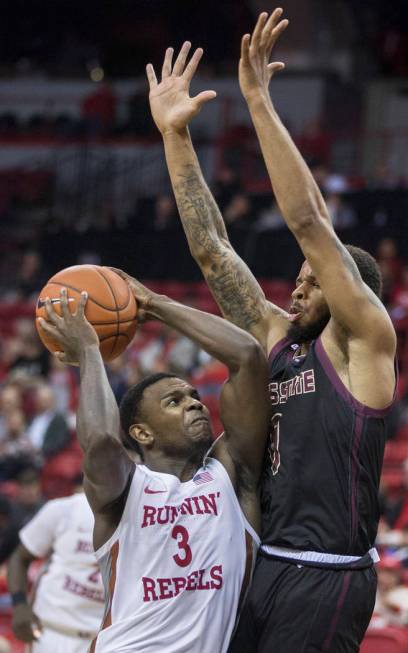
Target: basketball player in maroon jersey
175	536
331	375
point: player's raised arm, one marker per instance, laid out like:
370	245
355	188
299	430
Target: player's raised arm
353	306
235	289
245	403
107	467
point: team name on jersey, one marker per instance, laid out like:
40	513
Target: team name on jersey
300	384
71	585
83	546
204	504
158	589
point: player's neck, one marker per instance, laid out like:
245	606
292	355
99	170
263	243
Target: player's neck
183	469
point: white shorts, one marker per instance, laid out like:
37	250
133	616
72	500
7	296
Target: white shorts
53	642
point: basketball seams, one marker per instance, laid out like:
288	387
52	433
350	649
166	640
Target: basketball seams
117	309
122	322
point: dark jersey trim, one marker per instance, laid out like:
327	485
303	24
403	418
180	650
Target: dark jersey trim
278	347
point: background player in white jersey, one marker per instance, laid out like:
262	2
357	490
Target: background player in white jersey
175	537
68	601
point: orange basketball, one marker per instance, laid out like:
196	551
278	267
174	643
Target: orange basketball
111	306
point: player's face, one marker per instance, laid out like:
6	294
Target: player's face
309	312
179	421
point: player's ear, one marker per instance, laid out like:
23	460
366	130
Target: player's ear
142	434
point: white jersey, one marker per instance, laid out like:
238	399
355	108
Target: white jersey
69	594
177	565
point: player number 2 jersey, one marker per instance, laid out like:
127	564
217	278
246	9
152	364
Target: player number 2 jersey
177	565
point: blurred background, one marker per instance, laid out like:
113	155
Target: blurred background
83	180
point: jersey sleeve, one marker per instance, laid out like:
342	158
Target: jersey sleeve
39	534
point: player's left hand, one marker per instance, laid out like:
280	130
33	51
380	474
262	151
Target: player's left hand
142	294
70	330
170	102
255	71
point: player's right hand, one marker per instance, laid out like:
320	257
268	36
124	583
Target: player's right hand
72	331
255	71
170	102
26	625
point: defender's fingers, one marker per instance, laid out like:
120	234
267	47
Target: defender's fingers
168	58
275	34
245	41
203	97
119	272
260	23
193	64
82	303
275	67
52	316
271	23
151	76
66	313
180	62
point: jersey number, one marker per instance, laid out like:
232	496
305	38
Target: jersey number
274	452
180	534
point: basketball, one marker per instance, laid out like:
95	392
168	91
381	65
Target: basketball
111	306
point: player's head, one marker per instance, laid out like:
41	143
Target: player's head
163	414
308	300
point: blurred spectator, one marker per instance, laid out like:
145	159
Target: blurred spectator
15	513
27	356
391	266
342	214
391	606
226	185
270	218
10	400
31	276
16	450
165	213
49	431
8	530
399	297
314	143
238	212
328	182
99	110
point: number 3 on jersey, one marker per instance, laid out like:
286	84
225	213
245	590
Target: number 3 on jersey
180	534
274	452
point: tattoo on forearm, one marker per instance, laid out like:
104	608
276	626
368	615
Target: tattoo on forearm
231	282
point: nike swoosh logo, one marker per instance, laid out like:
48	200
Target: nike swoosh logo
149	491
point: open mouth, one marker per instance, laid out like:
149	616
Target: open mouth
294	314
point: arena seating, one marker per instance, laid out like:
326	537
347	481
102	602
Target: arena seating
385	640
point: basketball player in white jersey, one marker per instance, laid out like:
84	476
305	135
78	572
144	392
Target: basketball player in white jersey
175	537
68	601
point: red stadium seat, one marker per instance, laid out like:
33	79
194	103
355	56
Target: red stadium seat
385	640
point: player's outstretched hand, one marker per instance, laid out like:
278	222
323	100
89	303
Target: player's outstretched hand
26	625
170	102
70	330
142	294
255	71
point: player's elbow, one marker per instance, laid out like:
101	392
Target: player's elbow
251	354
206	253
305	222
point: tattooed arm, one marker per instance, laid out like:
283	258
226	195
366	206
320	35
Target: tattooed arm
235	289
353	306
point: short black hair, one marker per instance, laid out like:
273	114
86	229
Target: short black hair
129	408
368	268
